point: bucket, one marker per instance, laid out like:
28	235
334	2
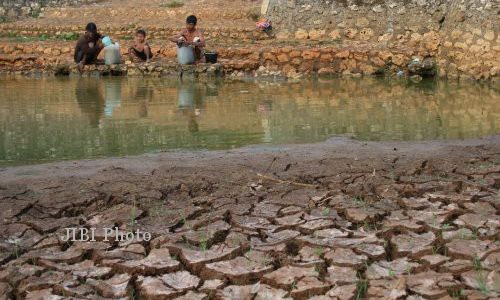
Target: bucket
112	54
185	55
211	57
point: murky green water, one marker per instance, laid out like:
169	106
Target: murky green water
55	119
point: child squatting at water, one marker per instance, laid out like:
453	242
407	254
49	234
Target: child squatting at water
88	46
140	50
191	36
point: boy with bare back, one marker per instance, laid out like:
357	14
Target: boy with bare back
141	49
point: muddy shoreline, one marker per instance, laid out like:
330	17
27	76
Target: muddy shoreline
340	146
335	220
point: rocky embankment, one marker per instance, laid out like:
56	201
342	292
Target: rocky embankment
337	220
404	38
254	60
462	36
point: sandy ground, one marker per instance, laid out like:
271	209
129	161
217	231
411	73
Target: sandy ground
336	220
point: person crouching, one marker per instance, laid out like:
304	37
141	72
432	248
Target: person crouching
140	50
88	46
191	36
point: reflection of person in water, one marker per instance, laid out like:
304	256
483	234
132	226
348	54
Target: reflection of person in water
113	92
144	94
190	101
90	99
265	109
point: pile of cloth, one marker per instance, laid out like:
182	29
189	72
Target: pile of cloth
265	25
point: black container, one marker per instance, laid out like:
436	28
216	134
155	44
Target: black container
211	57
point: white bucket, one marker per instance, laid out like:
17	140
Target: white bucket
112	54
185	55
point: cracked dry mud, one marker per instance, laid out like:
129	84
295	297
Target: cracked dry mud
336	220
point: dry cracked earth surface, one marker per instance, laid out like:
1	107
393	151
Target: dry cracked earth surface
341	219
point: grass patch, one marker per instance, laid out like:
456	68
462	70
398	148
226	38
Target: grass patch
318	251
70	36
361	289
482	286
204	244
172	4
456	293
476	262
36	13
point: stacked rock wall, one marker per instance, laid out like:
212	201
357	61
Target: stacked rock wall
461	34
13	9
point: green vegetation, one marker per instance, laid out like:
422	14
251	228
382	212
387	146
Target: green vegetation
361	288
318	251
70	36
392	273
172	4
456	293
203	245
35	13
481	284
476	262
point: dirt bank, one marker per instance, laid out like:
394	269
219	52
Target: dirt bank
340	218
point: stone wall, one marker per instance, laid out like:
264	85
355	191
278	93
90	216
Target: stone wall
461	34
13	9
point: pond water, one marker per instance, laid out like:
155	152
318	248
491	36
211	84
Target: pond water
72	118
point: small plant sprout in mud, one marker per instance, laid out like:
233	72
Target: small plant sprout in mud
434	221
436	249
204	244
133	295
318	251
361	289
325	212
476	262
133	215
317	269
463	234
359	200
392	273
456	293
481	284
408	270
293	286
367	226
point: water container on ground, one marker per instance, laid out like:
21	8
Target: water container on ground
112	54
185	55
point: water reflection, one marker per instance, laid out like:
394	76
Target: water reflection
144	94
113	92
53	119
190	103
265	108
90	99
